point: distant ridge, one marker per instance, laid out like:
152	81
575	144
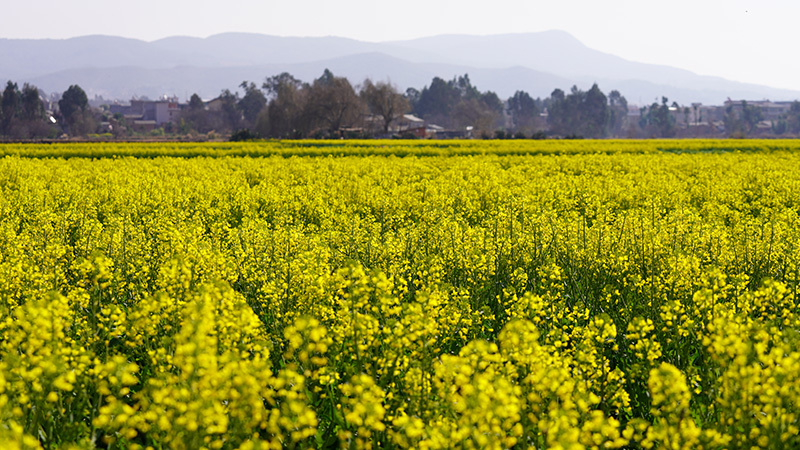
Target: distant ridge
538	63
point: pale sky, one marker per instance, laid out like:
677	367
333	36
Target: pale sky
750	41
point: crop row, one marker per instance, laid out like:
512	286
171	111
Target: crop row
400	148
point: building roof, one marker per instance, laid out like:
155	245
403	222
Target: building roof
412	118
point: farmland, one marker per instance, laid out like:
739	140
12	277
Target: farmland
400	294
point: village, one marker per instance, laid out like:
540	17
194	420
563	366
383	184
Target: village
331	107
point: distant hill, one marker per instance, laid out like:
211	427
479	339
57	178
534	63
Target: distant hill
535	62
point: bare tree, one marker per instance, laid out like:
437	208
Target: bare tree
384	101
333	102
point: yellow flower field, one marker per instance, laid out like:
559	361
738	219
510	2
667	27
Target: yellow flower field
400	294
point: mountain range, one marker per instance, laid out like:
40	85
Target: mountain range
538	63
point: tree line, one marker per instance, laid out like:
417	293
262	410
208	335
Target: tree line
23	115
330	106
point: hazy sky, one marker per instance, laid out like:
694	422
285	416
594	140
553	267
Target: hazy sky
751	41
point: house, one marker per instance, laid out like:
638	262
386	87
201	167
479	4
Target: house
158	111
769	110
215	104
407	122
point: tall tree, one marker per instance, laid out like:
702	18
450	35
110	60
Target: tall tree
384	101
741	118
277	84
9	107
579	113
73	100
33	117
196	103
491	101
333	102
412	95
523	111
230	117
32	108
196	116
465	88
287	107
564	113
74	108
617	111
252	103
22	113
437	101
573	101
458	103
594	113
557	113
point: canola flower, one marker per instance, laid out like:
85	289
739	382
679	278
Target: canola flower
398	294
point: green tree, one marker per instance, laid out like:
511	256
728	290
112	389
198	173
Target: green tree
751	116
286	109
557	113
195	117
75	113
793	117
567	114
229	117
594	113
437	101
573	103
73	100
458	103
278	84
252	103
579	113
33	121
32	108
492	102
617	111
412	95
656	120
780	126
119	126
196	103
9	107
523	111
22	113
465	88
733	123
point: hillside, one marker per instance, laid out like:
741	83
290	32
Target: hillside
535	62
